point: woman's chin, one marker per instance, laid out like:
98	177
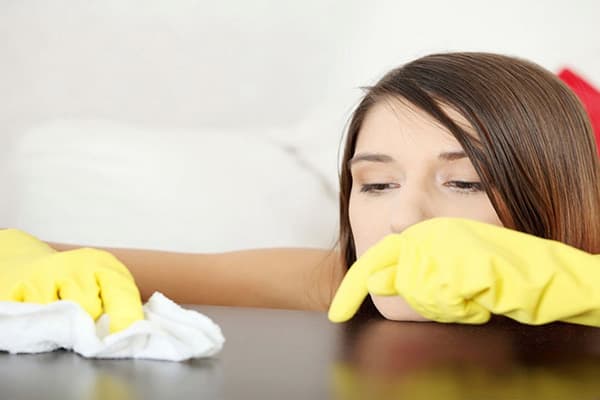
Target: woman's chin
395	308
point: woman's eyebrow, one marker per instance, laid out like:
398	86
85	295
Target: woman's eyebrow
373	157
452	155
384	158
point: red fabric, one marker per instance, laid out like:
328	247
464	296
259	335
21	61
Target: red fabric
589	96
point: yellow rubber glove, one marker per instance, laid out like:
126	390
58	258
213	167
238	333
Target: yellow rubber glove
31	271
457	270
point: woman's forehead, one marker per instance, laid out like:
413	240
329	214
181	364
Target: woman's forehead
393	125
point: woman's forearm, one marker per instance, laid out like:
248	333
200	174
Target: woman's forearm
278	278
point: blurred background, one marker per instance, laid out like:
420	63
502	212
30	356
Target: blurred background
208	126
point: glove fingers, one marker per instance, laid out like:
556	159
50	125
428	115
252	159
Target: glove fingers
51	278
86	295
473	313
120	296
121	301
353	289
434	300
28	292
467	312
382	283
73	280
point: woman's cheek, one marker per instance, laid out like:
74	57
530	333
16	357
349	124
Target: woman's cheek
369	223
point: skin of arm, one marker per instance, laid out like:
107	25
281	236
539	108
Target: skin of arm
291	278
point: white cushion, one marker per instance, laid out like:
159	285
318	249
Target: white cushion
109	184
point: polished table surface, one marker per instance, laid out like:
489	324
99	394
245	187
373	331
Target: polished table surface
279	354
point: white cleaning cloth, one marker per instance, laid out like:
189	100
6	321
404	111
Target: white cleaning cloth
168	332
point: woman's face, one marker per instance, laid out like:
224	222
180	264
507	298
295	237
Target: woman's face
407	168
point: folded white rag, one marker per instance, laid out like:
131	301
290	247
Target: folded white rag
168	332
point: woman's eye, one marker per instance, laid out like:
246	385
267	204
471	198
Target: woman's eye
465	187
376	187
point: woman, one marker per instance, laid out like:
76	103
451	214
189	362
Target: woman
492	138
471	135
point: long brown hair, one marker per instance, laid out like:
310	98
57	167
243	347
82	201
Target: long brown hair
534	150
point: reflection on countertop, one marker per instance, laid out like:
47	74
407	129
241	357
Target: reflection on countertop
500	360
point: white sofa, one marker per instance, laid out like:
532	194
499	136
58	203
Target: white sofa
112	184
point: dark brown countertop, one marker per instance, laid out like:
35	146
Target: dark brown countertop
279	354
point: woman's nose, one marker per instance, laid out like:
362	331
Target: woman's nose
410	207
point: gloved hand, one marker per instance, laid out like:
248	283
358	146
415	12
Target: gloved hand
457	270
31	271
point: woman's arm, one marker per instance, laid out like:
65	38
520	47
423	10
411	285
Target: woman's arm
290	278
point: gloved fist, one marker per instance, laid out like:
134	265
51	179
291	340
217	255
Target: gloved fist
31	271
458	270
